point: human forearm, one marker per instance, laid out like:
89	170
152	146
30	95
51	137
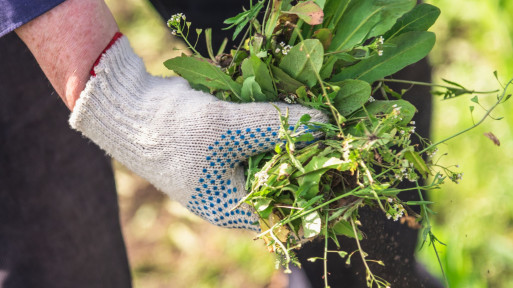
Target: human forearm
67	40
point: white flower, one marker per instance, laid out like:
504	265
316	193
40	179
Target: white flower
262	176
283	170
371	99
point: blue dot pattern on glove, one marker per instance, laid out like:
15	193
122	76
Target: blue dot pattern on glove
214	195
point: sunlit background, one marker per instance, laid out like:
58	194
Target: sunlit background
169	247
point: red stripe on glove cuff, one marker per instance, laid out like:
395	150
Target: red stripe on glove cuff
112	41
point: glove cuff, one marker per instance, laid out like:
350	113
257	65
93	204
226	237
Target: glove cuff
112	41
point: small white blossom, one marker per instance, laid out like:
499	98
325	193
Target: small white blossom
371	99
283	170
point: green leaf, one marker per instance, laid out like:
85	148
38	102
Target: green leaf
418	162
312	224
304	61
251	91
399	52
419	18
261	204
321	3
327	68
475	99
386	107
307	137
344	228
309	12
409	203
201	72
342	254
364	19
208	39
353	94
284	82
253	66
309	179
334	10
242	19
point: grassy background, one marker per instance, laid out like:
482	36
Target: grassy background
166	244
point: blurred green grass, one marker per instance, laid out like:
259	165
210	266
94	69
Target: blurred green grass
475	217
168	246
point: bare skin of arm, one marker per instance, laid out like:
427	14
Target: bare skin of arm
67	40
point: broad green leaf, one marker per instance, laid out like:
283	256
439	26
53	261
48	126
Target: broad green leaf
364	19
327	68
261	204
312	224
253	66
311	177
353	94
251	91
284	82
344	228
399	52
321	3
419	18
200	72
418	162
407	110
309	12
334	10
304	61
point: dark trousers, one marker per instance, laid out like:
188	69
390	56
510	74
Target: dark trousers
59	222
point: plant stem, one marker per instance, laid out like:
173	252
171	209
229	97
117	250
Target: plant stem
360	250
325	260
436	85
499	100
334	111
431	236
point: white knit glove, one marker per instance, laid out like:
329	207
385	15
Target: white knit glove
187	143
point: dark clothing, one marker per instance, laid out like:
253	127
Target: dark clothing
14	13
59	222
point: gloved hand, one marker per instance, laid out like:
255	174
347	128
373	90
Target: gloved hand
186	143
